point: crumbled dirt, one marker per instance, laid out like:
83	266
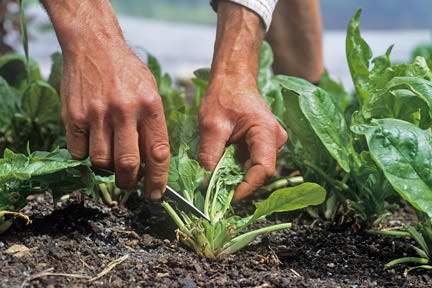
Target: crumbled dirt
80	239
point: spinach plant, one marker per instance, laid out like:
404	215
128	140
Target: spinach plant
220	235
365	147
56	171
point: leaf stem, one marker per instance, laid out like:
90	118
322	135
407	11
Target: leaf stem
283	182
388	233
333	182
175	216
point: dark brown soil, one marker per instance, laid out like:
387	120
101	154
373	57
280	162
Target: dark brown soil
81	238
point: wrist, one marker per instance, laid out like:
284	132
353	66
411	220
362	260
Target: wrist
81	25
238	41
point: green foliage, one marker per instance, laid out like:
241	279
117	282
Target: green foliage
421	232
31	111
220	235
363	147
56	171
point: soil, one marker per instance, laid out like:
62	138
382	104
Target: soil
75	244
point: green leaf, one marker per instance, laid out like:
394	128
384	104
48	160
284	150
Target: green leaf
41	103
244	239
225	178
203	74
324	117
13	68
191	174
358	55
266	56
154	67
404	152
341	98
289	199
9	105
394	101
56	71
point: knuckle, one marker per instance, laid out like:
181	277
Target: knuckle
102	161
160	151
97	111
121	108
150	101
213	125
77	154
127	162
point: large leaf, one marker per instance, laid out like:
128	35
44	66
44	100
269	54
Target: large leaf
289	199
41	103
19	166
324	117
225	178
404	152
13	68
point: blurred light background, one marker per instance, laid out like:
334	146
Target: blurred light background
180	33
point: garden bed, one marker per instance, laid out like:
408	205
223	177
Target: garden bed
82	239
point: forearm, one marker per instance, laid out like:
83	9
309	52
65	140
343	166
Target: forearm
238	41
80	24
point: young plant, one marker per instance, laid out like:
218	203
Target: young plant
421	232
220	235
21	176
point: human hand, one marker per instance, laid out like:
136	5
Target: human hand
114	114
110	103
232	111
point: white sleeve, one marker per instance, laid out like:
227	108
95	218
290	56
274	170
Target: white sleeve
264	8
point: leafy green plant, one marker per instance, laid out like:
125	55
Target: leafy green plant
21	176
421	233
361	147
220	235
30	110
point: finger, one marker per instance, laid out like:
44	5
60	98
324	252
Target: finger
262	148
77	138
213	139
126	153
254	179
100	147
155	150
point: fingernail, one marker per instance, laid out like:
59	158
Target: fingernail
156	194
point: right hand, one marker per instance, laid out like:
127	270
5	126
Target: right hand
113	113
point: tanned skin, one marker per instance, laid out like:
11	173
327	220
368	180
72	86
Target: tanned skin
296	37
113	113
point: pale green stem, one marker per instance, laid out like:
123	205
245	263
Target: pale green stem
388	233
174	216
105	194
407	260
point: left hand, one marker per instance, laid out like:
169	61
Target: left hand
232	111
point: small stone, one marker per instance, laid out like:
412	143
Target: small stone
188	283
331	265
